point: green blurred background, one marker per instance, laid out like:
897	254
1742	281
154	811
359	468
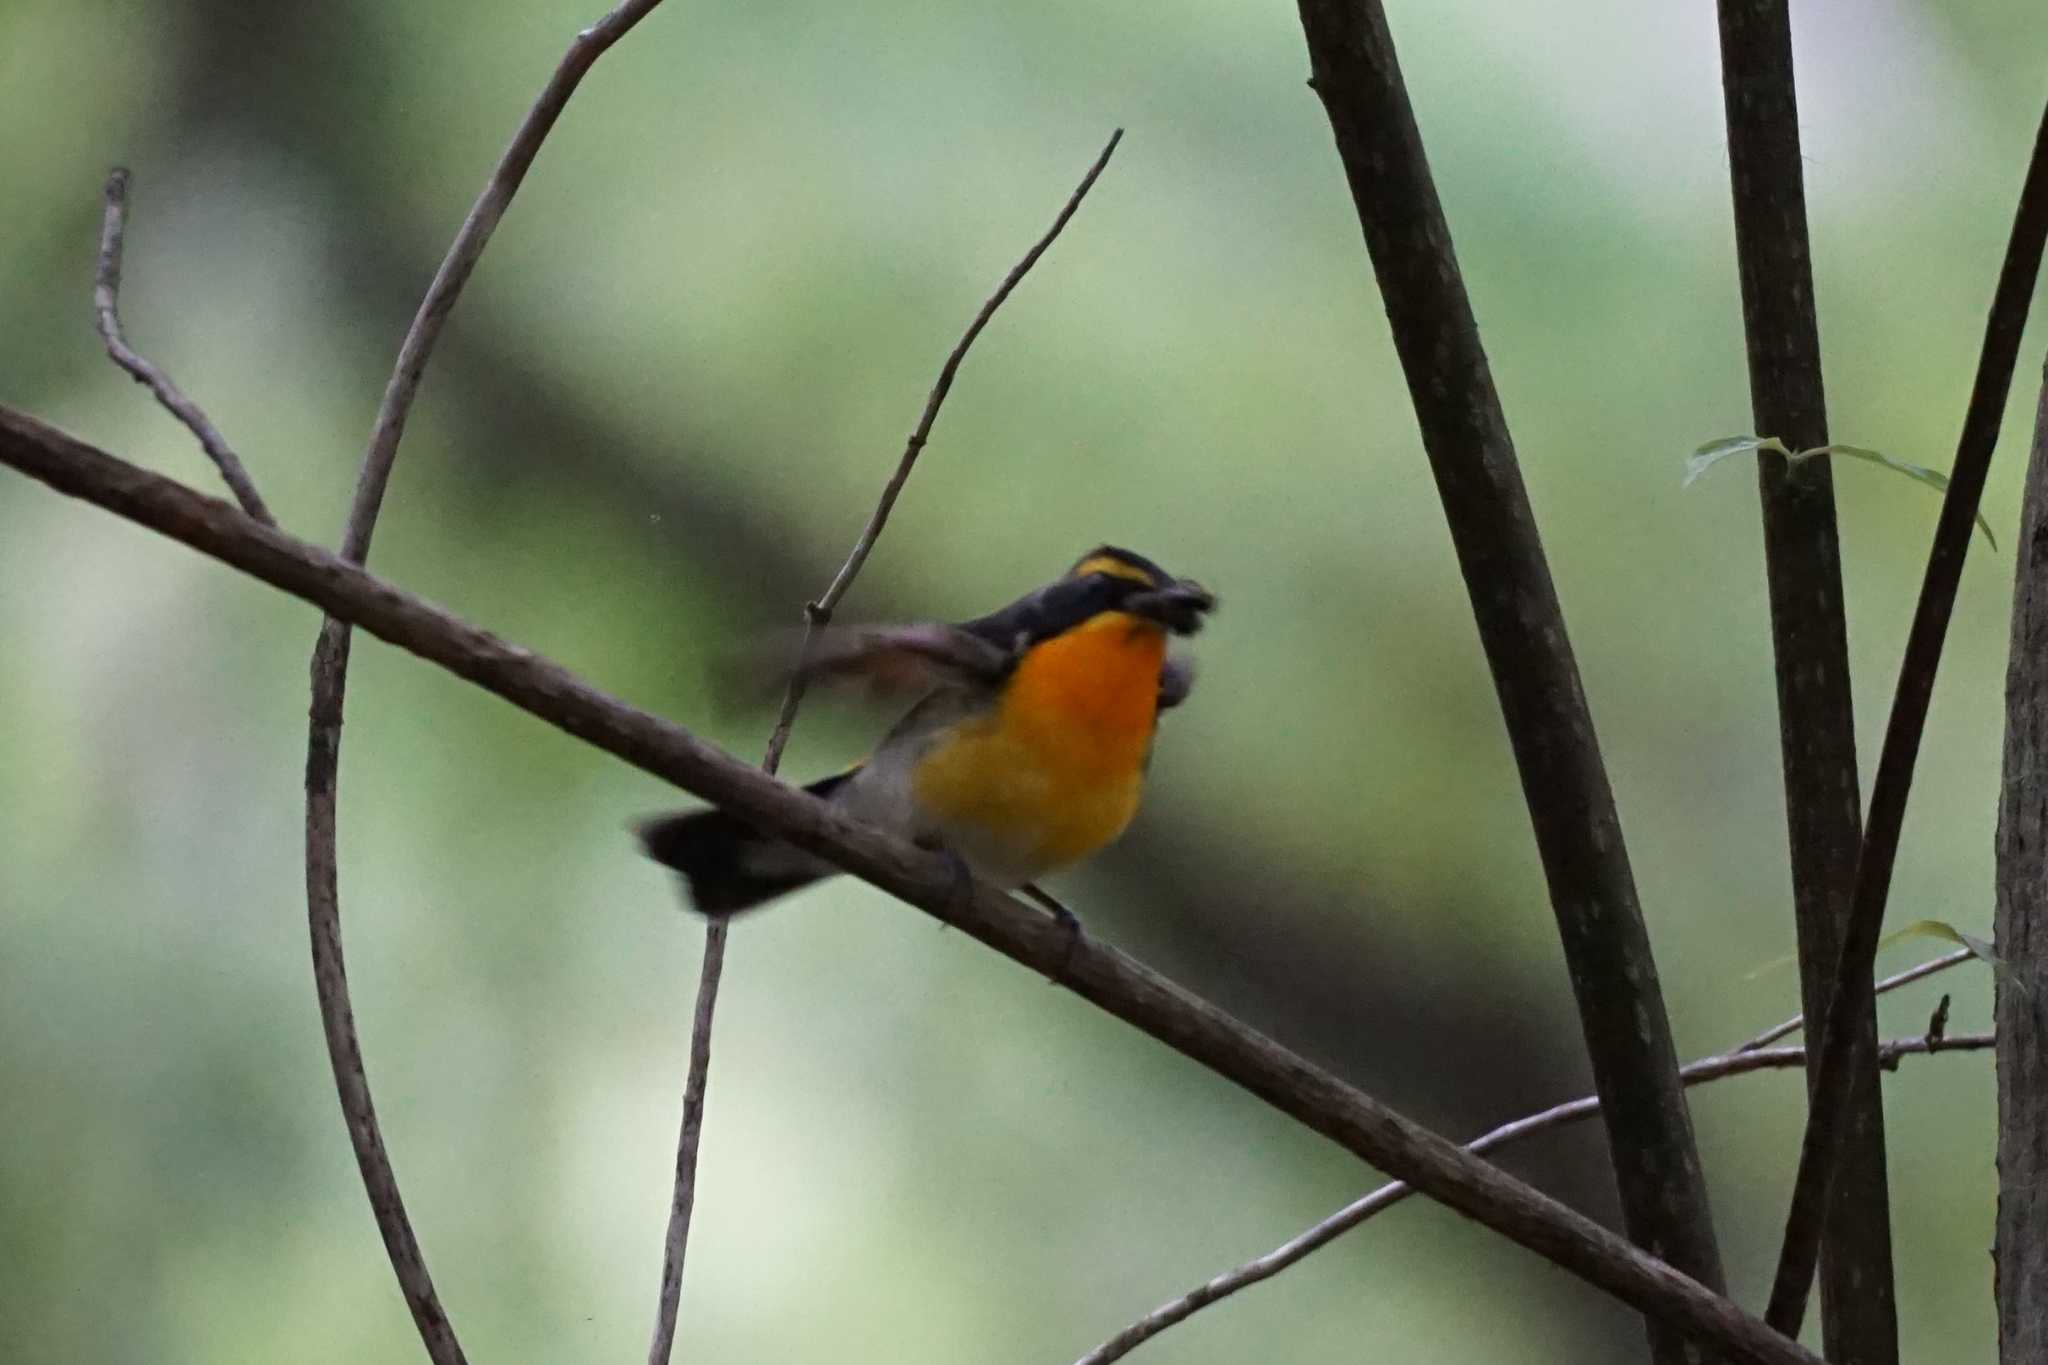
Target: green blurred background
654	426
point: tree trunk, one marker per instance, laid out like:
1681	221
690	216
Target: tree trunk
2021	1249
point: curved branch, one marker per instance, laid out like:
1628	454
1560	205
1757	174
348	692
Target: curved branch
1094	971
330	675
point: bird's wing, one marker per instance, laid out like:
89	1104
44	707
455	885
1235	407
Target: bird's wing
905	660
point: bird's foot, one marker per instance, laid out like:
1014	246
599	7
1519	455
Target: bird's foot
1063	917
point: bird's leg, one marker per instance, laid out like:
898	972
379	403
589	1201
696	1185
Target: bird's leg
956	867
1062	916
1046	901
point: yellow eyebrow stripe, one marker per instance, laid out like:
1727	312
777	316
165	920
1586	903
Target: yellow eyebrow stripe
1115	568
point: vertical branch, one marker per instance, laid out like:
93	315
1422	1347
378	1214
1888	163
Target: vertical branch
330	677
816	614
684	1202
1841	1043
1809	636
1521	626
2021	1250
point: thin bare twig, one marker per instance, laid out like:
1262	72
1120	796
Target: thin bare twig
106	298
819	613
1737	1063
1357	1212
1514	602
1890	983
330	673
684	1202
1841	1041
1092	970
816	614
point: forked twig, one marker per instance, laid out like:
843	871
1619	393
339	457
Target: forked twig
330	674
106	298
1735	1062
816	614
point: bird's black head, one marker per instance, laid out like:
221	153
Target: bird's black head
1142	588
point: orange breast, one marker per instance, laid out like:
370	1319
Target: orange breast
1055	770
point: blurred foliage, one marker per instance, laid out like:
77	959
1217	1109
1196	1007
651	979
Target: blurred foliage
656	423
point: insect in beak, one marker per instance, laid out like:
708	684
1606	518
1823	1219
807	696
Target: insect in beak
1179	606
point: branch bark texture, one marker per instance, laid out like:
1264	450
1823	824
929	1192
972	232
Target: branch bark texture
1809	637
1107	978
2021	1248
1521	626
1843	1043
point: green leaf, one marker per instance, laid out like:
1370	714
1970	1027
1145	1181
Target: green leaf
1948	933
1980	949
1933	478
1713	452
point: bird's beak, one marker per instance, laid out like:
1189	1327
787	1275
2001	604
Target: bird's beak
1179	606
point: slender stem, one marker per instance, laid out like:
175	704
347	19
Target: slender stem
684	1201
1841	1039
1918	972
330	671
1092	970
816	614
1613	972
819	613
1359	1211
1809	633
106	299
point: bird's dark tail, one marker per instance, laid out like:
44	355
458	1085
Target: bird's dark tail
731	866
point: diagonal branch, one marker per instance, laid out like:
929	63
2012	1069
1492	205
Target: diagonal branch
1737	1063
819	613
330	676
1917	972
106	299
816	614
1522	629
1097	973
1809	634
1841	1040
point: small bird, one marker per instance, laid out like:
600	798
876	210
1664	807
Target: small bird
1025	752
